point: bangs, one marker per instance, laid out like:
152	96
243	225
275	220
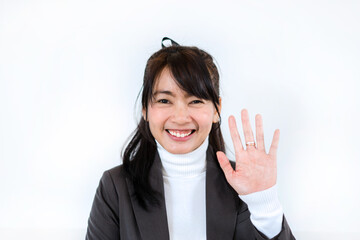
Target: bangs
191	74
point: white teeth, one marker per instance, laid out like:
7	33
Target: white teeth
177	134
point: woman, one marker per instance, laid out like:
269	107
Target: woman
176	181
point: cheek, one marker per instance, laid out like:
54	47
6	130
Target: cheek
204	119
156	117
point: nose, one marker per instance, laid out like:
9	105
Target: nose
181	114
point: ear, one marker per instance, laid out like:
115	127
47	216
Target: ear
216	115
143	111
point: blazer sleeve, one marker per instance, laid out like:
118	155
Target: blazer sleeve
103	223
285	233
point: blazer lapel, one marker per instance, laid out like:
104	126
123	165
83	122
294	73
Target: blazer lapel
221	202
152	223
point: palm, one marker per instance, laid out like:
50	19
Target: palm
255	169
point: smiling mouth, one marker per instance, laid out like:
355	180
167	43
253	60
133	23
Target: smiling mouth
180	133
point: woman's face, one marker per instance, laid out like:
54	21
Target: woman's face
178	121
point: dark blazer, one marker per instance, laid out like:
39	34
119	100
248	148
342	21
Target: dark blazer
116	214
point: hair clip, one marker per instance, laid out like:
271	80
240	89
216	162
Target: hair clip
173	43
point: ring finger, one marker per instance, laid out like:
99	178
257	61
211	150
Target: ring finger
248	133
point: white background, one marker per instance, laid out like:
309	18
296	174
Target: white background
70	72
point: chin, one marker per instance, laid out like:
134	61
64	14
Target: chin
178	150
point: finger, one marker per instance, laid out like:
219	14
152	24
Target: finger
235	136
248	133
259	133
225	164
274	144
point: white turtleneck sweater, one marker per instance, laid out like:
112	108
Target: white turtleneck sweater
184	185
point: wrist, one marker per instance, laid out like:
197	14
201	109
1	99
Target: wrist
263	202
265	209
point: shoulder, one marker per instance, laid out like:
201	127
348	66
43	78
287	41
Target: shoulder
116	172
114	180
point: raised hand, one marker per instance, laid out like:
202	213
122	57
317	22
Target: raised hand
255	169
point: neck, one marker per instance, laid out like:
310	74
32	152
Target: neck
184	165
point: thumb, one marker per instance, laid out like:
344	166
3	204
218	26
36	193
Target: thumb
225	164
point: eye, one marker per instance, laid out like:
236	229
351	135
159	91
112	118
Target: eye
163	101
197	101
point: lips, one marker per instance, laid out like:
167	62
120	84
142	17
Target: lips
180	133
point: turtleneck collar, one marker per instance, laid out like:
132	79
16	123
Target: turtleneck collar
184	165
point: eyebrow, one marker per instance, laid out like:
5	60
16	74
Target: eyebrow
170	93
164	92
